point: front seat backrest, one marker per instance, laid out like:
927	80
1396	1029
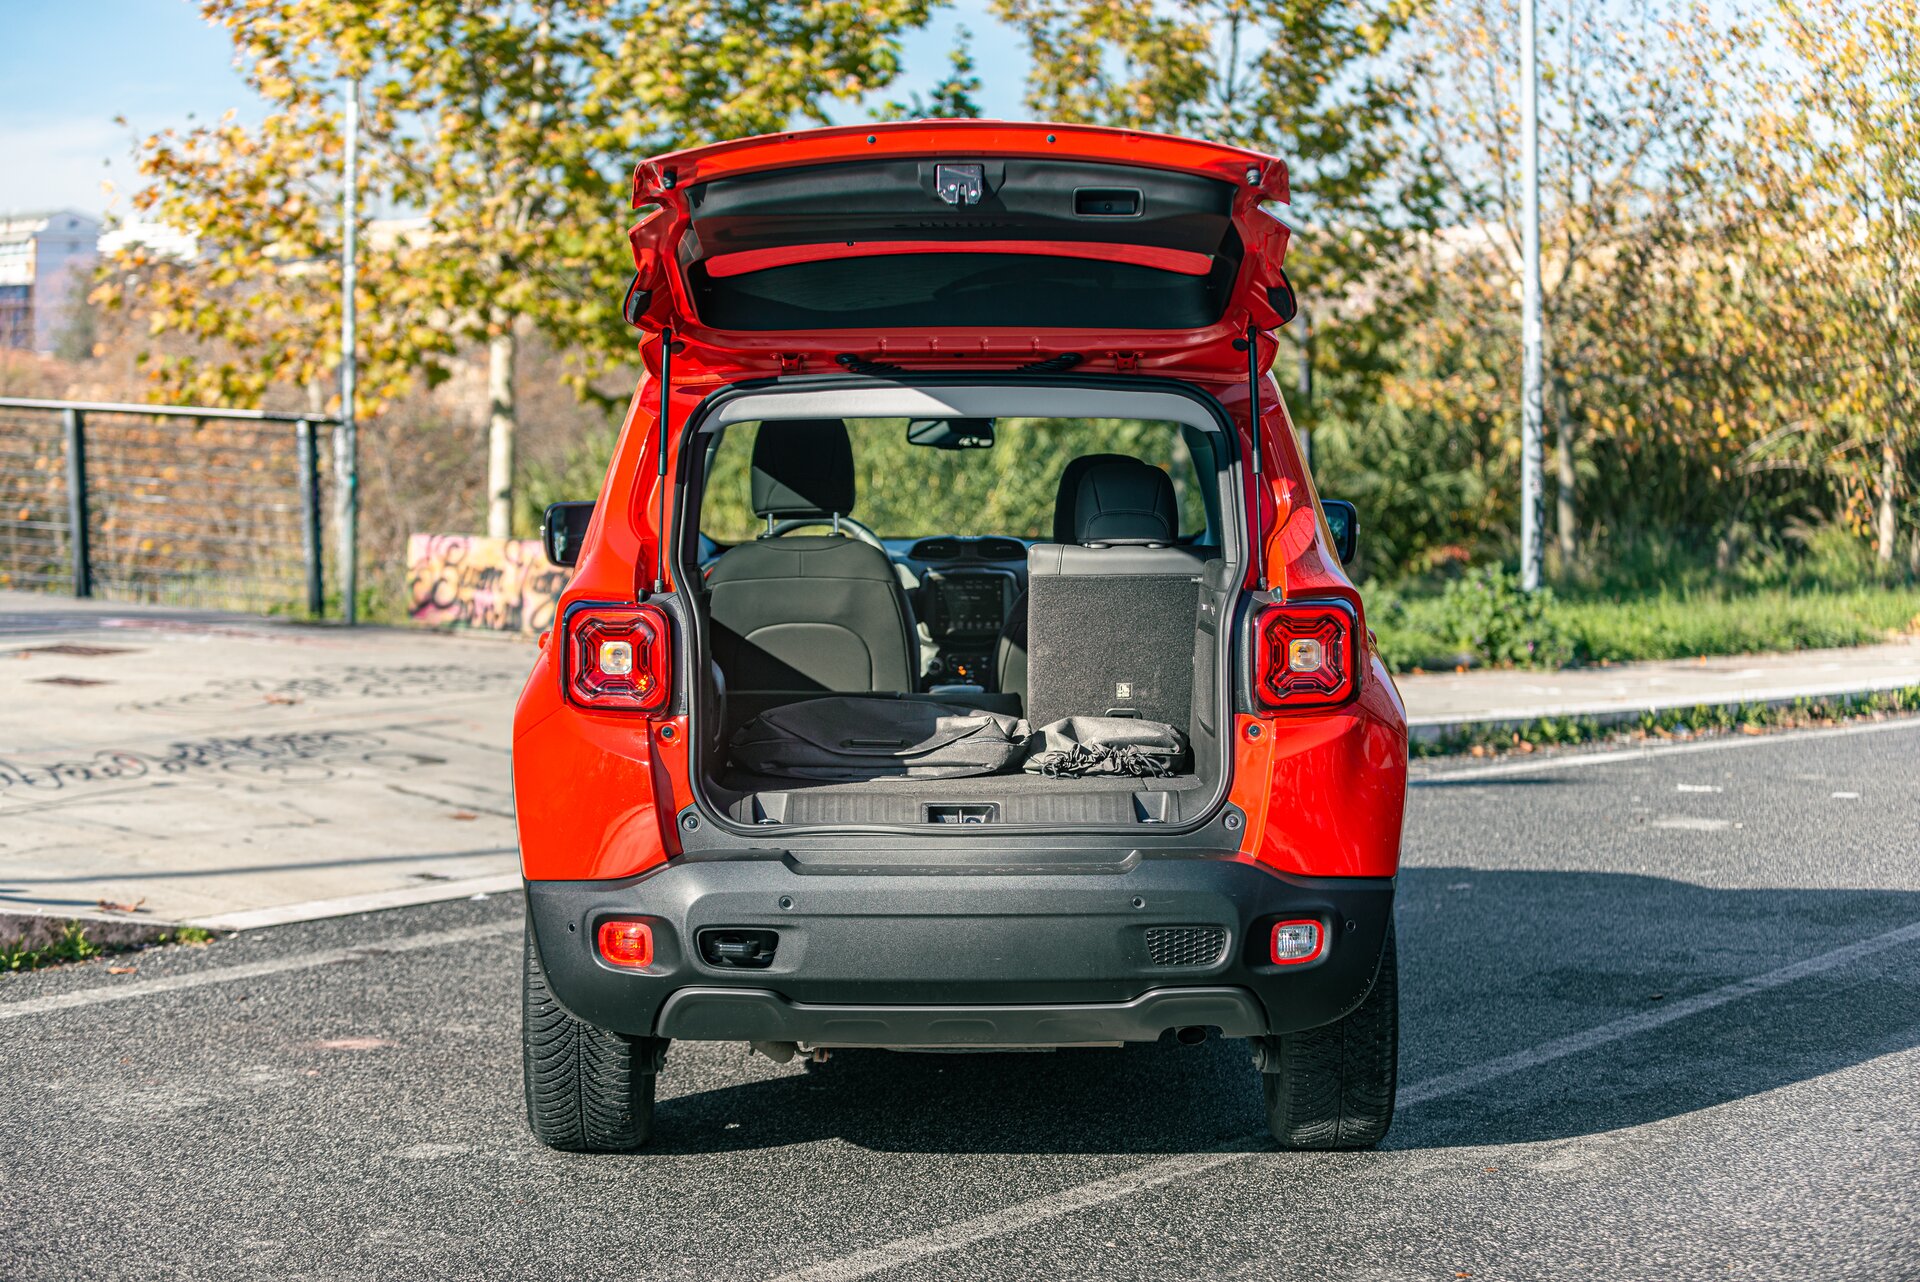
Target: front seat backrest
1010	651
1111	615
809	612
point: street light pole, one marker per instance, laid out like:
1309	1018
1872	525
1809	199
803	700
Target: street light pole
1531	337
346	445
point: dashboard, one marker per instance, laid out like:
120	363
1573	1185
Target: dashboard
967	587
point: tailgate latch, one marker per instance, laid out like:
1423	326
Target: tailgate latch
960	184
984	812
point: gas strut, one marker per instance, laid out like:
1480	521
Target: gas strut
1259	484
660	466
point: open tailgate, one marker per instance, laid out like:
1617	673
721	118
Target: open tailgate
935	244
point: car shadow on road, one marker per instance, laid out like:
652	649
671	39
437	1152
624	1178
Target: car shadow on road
1493	963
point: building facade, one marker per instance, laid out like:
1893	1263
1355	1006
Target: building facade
42	259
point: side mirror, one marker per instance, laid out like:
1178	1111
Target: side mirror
1343	518
563	530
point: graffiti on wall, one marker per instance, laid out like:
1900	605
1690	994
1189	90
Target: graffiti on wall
467	580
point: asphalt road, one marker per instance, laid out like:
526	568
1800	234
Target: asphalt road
1661	1019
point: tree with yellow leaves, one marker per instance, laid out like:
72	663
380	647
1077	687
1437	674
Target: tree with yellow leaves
504	134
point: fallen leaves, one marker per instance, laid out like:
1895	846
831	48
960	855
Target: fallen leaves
122	970
108	906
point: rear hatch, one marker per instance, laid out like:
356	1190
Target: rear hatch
971	244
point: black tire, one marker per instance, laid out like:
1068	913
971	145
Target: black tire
588	1090
1332	1087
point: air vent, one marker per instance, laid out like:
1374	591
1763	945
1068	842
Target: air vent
937	550
1186	945
1000	550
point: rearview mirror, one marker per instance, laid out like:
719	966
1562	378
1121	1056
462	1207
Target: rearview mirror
951	433
1343	519
563	530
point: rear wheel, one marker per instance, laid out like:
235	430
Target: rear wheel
588	1090
1333	1087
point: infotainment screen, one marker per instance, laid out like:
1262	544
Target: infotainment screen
970	606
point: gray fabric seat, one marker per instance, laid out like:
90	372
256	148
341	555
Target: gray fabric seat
1111	614
809	612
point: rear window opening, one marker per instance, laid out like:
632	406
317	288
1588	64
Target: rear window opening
976	612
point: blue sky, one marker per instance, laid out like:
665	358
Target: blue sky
66	70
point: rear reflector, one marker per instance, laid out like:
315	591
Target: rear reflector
1295	942
1306	655
627	943
616	658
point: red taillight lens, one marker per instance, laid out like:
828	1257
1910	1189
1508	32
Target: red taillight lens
1296	942
627	943
617	658
1306	654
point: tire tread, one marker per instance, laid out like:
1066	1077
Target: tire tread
588	1090
1333	1087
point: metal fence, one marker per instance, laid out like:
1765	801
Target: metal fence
182	505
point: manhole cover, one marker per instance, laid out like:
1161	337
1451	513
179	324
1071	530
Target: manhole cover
69	681
73	651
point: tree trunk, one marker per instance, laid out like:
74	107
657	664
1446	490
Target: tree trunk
501	426
1566	527
1885	528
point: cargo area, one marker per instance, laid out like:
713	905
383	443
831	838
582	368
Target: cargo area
1082	632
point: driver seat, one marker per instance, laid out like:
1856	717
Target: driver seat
809	612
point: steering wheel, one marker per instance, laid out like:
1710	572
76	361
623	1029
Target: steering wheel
858	530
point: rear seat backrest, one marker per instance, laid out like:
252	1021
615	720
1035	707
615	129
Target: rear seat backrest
1110	624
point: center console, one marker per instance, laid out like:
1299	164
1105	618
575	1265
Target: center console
964	611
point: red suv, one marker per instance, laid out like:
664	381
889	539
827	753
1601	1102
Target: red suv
964	426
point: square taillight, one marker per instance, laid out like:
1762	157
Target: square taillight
617	658
1306	655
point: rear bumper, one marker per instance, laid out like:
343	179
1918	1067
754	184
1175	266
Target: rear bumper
889	951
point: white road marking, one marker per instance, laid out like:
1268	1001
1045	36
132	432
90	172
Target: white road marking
1040	1210
117	992
1614	756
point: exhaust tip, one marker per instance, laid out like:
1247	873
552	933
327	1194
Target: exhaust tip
1191	1035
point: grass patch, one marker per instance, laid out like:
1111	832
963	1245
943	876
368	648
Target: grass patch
31	942
1670	723
1487	625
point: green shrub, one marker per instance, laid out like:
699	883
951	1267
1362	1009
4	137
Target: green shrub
1492	619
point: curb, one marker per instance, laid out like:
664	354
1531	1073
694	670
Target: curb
318	909
1435	729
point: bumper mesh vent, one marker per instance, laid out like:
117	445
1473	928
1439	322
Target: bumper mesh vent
1186	945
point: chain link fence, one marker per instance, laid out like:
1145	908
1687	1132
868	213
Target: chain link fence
176	505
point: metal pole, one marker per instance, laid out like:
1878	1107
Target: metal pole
346	445
77	515
310	540
1531	415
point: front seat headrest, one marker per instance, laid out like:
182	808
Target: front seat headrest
1116	497
803	467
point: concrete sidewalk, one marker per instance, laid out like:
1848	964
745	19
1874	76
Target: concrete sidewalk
233	772
1440	703
217	769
